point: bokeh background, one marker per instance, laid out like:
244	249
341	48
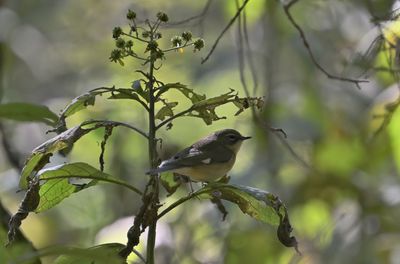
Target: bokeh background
339	178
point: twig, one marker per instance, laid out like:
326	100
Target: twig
286	8
116	123
249	54
166	121
180	47
137	253
107	134
278	132
201	15
241	55
281	135
224	30
181	201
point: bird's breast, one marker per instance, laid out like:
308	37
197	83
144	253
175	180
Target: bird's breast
207	172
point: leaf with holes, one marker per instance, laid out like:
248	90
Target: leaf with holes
166	110
246	102
81	102
187	92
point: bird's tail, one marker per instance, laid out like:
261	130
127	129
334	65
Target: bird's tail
166	165
159	170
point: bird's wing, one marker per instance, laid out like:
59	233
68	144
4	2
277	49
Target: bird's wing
197	154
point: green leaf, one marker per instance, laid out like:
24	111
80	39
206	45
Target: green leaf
206	108
166	110
81	102
170	182
32	165
58	186
187	92
105	253
124	93
246	102
216	101
256	203
40	156
28	113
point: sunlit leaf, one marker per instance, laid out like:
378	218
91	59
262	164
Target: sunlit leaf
28	112
256	203
58	185
79	103
32	165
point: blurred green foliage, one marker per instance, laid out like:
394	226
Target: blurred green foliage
344	207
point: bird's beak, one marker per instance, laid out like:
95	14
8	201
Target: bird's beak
244	138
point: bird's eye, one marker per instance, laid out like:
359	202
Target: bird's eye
232	138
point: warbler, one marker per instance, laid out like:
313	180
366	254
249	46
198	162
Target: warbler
208	159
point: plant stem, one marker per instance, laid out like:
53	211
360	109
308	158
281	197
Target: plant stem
151	238
166	121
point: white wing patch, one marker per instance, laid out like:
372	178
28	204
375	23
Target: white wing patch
162	164
206	161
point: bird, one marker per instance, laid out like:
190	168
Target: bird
207	160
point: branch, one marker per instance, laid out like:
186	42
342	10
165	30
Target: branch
224	31
249	54
180	47
181	201
281	135
166	121
116	123
278	132
201	15
286	8
135	37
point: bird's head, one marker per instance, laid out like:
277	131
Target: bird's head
230	138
